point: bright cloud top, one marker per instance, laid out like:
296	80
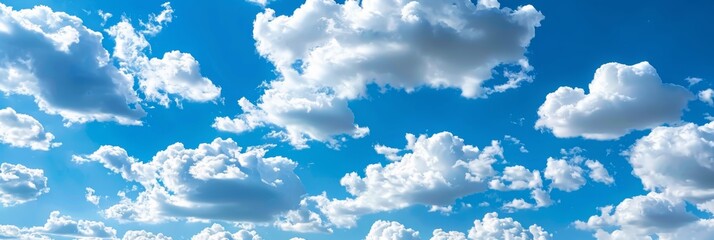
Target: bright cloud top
215	181
328	53
622	98
22	130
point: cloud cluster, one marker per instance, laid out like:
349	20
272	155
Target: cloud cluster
645	216
327	53
216	181
216	231
62	64
435	171
678	161
19	184
490	227
621	99
22	130
391	230
566	174
58	225
176	76
674	164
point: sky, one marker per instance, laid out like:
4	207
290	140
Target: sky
372	119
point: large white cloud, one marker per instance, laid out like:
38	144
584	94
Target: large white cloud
19	184
52	57
175	77
22	130
216	181
435	171
217	232
678	161
642	217
621	99
58	225
327	53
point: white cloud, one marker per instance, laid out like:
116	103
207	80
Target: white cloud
327	53
156	22
217	232
518	178
434	171
60	226
303	220
707	96
215	181
104	15
118	161
440	234
21	130
175	77
640	217
598	172
677	161
564	175
261	3
90	197
693	80
517	142
541	197
144	235
492	227
52	57
622	98
19	184
388	152
382	230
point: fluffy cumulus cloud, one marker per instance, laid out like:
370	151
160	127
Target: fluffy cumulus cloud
144	235
621	99
707	96
678	161
54	58
436	171
19	184
303	220
493	227
391	230
564	175
488	228
22	130
327	53
216	232
58	225
215	181
174	77
90	197
643	217
567	174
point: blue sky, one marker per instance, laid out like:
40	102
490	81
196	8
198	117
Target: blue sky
356	120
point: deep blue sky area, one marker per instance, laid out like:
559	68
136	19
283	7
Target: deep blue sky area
574	40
